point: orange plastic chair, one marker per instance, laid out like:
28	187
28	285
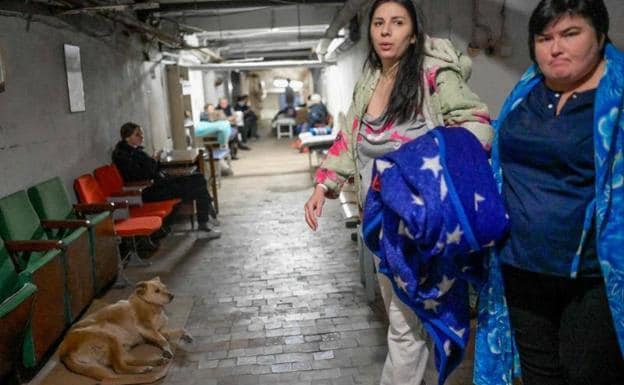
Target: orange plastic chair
111	184
90	192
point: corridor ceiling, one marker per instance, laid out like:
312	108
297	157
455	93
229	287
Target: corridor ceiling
250	30
227	30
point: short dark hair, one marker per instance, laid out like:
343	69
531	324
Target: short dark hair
547	11
127	129
407	93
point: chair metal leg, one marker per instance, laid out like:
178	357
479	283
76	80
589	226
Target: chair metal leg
122	280
133	256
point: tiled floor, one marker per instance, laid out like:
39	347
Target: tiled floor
273	302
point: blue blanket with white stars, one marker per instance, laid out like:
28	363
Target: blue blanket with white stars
432	208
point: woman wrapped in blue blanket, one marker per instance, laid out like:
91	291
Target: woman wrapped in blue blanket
558	158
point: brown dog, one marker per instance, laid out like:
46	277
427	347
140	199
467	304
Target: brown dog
102	340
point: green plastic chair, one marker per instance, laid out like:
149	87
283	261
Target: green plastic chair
19	221
17	296
41	267
51	201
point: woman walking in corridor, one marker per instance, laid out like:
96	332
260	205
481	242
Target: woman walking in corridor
411	84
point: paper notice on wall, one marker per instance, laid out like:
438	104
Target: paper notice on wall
74	78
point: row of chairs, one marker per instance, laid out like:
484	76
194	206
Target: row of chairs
55	257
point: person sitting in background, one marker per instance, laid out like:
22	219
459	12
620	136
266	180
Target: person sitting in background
286	112
301	118
214	122
249	122
135	164
317	112
212	114
224	105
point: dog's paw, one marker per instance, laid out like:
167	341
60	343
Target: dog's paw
187	337
167	353
147	369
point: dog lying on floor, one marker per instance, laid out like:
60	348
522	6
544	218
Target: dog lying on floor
98	346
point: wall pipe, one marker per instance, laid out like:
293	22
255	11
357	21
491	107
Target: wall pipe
342	18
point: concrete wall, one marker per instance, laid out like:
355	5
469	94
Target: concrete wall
337	81
39	137
492	76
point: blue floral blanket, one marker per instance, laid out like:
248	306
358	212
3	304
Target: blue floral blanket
433	206
496	359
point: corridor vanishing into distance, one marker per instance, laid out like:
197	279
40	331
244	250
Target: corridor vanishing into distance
273	303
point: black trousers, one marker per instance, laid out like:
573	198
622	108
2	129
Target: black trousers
186	187
244	133
563	329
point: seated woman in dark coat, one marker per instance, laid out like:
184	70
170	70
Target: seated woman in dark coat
135	165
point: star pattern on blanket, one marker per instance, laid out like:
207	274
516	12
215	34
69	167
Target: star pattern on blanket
432	164
447	347
455	236
417	200
431	304
418	219
443	189
400	283
445	285
478	199
404	230
490	244
383	165
459	332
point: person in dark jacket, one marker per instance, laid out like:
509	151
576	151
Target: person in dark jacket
317	112
250	119
224	105
135	164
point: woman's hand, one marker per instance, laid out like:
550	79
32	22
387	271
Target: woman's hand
314	207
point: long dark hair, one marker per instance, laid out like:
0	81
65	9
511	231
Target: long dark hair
547	11
407	93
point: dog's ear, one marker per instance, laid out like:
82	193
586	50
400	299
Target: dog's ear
141	287
157	279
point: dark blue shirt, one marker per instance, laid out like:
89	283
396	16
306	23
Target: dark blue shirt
548	182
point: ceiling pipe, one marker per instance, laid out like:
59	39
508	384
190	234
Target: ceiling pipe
267	47
231	4
131	22
342	18
260	65
305	31
112	8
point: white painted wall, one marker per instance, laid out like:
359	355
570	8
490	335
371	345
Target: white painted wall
197	93
158	108
39	137
338	81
